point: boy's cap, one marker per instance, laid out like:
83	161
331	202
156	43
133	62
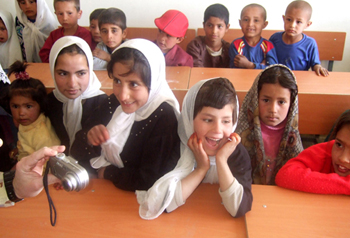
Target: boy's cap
173	22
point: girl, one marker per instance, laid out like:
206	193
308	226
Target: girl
77	89
268	122
210	153
10	50
34	22
134	132
322	168
28	103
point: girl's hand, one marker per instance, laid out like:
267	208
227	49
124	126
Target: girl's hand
201	157
98	135
227	149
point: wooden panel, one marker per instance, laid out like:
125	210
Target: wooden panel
102	210
278	212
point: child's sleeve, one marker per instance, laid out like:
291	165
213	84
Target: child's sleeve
232	52
311	171
100	64
269	50
238	198
44	53
194	49
313	54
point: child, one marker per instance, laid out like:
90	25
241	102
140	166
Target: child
210	153
268	122
172	26
134	132
10	51
28	103
252	51
211	50
295	49
77	89
94	29
68	13
322	168
112	24
34	23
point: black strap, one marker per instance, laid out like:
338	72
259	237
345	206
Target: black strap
46	187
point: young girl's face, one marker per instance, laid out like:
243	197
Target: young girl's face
129	88
72	74
274	102
24	110
29	8
3	32
213	127
341	151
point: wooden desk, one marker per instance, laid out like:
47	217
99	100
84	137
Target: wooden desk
101	210
321	99
279	212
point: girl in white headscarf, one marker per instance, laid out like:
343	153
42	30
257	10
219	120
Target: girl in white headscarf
210	153
77	89
10	50
34	23
135	132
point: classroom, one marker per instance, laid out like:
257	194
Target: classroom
101	210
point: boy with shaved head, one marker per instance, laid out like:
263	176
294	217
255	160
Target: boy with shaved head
295	49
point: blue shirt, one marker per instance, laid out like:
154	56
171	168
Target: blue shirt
298	56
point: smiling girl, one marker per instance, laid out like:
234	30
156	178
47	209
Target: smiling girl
322	168
268	122
77	89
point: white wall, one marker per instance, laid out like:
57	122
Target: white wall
327	15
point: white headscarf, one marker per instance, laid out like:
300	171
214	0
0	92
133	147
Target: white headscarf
154	201
3	76
73	108
10	51
120	125
35	34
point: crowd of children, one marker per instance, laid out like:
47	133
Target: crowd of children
137	137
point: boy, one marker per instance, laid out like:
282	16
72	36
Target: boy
211	50
94	29
293	48
112	24
252	51
68	13
172	27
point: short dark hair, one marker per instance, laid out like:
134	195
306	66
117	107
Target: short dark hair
113	16
217	10
343	120
76	3
135	60
96	13
72	49
32	88
255	5
216	93
281	75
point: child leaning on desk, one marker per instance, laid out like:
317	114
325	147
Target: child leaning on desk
210	153
268	122
252	51
322	168
295	49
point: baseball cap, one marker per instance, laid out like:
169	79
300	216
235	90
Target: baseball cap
173	22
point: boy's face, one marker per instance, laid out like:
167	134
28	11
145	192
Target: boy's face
112	35
341	152
215	29
296	21
29	8
213	127
166	42
274	102
252	22
24	110
95	31
67	14
72	74
3	32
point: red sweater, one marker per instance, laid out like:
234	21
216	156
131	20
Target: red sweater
81	32
312	171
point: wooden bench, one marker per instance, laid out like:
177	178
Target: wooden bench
330	44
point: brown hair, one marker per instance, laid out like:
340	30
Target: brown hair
76	3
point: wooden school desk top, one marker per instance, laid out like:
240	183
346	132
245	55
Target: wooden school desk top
102	210
279	212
